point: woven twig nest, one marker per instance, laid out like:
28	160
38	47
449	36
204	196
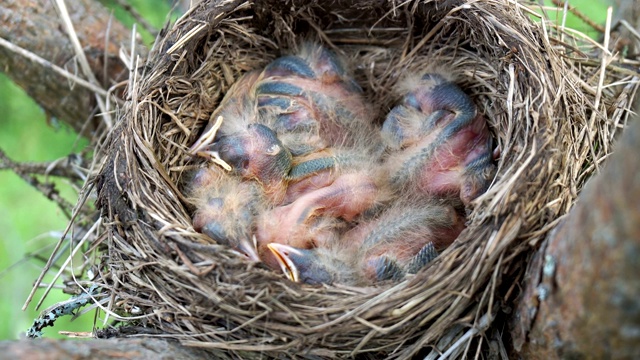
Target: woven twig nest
544	101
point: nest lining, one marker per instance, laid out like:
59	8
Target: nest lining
551	120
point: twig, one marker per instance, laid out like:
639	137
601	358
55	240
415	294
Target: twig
50	315
75	250
82	59
67	167
84	193
483	324
631	29
137	17
596	103
579	15
60	71
47	189
105	57
35	254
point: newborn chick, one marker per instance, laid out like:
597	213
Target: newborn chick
438	143
327	189
251	149
313	219
320	115
298	105
314	101
402	239
316	266
226	209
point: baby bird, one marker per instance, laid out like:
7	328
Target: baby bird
240	143
320	114
404	239
313	100
292	128
316	266
316	217
438	144
228	219
400	240
299	105
327	189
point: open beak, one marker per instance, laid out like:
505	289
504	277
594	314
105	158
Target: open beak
200	147
281	252
207	138
203	141
249	249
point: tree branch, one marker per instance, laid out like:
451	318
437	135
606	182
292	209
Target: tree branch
35	26
139	348
582	287
47	188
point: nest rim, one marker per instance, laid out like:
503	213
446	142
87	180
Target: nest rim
462	286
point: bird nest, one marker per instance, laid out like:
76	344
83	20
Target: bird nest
546	103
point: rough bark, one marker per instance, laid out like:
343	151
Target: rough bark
36	26
582	287
132	349
626	20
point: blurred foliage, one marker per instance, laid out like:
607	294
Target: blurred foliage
156	12
26	216
595	10
31	223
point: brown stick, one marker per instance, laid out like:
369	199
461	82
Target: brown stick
47	188
35	26
626	22
583	286
139	348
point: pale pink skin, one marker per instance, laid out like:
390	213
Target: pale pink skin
404	247
438	144
331	92
330	97
309	184
302	223
333	102
445	172
355	255
229	215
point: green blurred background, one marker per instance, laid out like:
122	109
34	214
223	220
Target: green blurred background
30	223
